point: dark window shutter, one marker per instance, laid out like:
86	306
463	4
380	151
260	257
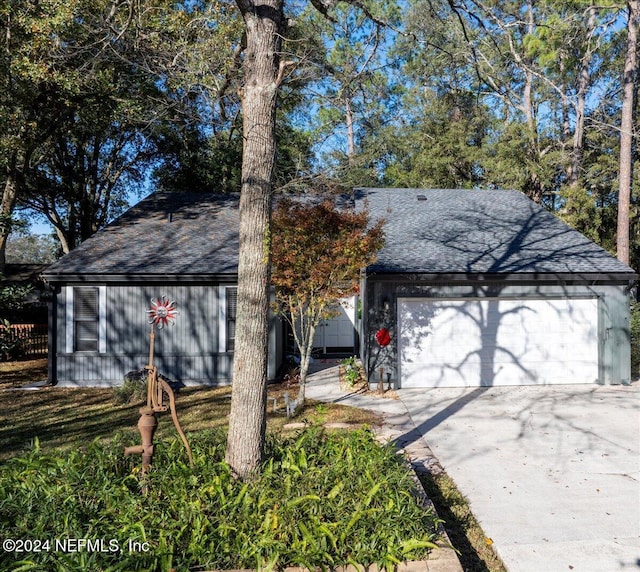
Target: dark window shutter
85	319
232	306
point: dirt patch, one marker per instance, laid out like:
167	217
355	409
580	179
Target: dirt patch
19	373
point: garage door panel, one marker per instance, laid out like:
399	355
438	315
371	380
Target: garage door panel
451	343
442	374
337	331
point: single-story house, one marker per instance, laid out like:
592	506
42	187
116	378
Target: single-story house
180	245
474	287
183	246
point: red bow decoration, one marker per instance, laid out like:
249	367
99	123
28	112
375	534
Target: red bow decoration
383	337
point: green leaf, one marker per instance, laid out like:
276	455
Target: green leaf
412	545
335	491
301	500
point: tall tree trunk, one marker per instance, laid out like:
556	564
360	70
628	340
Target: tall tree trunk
534	187
62	237
264	23
9	197
564	100
584	82
351	140
527	98
626	132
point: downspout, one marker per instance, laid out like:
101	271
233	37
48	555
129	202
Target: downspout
52	337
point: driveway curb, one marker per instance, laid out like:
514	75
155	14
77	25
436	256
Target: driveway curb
550	472
399	429
441	562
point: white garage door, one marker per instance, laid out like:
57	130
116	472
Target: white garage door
338	332
471	342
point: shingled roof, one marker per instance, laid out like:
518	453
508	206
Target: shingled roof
168	234
442	231
191	236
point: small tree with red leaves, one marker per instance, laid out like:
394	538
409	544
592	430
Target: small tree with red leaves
317	254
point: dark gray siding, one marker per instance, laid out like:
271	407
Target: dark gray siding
187	351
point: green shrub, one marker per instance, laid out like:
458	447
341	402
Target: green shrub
14	297
131	390
11	348
323	499
351	370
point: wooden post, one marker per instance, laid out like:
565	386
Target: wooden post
150	381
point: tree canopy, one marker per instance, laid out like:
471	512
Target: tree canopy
318	251
102	98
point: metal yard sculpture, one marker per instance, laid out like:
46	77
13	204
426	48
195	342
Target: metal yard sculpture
162	313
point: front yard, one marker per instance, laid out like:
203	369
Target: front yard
67	421
323	498
67	418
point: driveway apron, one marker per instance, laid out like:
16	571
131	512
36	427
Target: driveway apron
552	473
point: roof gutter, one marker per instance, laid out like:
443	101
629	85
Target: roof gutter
591	278
146	278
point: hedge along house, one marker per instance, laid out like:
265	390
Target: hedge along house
484	288
180	245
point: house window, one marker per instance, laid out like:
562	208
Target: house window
86	319
227	307
232	304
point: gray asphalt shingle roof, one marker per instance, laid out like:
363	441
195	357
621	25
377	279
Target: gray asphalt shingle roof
456	231
181	233
478	231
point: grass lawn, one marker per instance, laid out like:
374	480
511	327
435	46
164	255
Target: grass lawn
466	535
68	418
65	418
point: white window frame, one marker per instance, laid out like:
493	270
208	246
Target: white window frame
102	319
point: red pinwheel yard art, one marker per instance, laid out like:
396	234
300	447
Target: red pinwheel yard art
162	312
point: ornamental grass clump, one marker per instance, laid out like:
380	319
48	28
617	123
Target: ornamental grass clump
321	500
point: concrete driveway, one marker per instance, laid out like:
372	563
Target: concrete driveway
551	473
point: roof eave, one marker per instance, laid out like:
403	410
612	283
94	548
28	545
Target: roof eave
59	278
549	277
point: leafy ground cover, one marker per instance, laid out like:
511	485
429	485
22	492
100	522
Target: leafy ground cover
71	419
323	499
